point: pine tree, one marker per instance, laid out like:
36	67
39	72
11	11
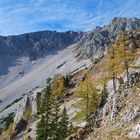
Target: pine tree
55	126
89	99
43	126
113	67
40	132
58	85
64	124
124	54
66	80
52	125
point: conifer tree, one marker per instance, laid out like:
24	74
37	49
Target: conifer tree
113	66
44	125
40	132
52	125
55	126
89	98
124	54
64	124
66	80
58	85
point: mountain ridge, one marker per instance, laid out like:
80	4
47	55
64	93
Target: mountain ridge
96	41
37	44
26	68
40	43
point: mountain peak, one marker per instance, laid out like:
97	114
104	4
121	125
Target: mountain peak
124	19
96	41
37	44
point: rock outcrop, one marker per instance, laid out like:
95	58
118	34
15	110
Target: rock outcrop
135	133
27	108
120	116
37	44
89	44
95	42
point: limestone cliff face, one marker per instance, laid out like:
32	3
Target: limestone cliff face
120	116
27	108
37	44
88	44
96	41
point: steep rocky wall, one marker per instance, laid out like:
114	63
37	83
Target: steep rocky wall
37	44
96	41
120	117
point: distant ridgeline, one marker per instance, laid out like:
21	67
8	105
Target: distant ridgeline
96	41
37	44
89	43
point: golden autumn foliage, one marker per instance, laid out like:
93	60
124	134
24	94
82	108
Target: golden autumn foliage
27	113
123	54
89	96
118	56
112	67
58	85
10	129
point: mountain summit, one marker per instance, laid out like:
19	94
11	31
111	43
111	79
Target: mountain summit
37	44
95	41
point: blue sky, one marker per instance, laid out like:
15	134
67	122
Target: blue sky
21	16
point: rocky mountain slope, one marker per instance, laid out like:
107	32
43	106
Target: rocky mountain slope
23	57
95	42
27	60
37	44
120	117
23	75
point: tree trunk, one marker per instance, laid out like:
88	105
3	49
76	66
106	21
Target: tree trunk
127	73
87	108
114	82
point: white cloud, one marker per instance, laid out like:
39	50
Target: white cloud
32	15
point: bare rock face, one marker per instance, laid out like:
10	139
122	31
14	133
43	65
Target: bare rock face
132	115
19	128
96	41
135	133
112	107
37	44
89	44
25	112
135	79
118	25
27	108
114	102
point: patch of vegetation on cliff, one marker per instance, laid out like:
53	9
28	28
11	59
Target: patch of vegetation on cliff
7	120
